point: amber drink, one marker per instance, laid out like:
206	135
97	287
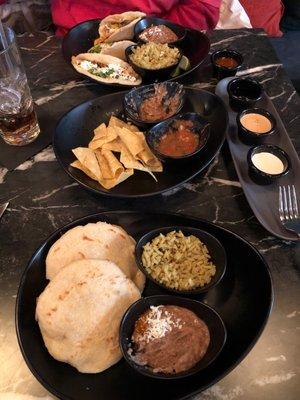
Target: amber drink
18	122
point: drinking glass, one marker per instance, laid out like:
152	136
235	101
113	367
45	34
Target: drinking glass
18	122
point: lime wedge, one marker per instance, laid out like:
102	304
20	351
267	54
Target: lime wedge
184	63
176	72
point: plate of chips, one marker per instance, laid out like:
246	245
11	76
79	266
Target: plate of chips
106	154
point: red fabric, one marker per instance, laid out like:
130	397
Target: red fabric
265	14
197	14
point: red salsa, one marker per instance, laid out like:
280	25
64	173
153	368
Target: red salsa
226	62
179	140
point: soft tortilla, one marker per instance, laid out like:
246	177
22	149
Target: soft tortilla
97	241
105	60
116	49
123	33
79	314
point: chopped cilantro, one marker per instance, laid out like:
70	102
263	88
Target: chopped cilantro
95	49
102	74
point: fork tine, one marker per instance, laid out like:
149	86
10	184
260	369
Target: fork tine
294	202
281	213
290	206
285	204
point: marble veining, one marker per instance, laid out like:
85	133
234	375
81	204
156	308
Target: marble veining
44	198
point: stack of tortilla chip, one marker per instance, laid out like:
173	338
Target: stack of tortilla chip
114	153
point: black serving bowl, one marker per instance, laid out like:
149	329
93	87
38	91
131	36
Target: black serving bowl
201	127
212	319
145	23
134	99
251	137
261	177
243	93
152	74
223	72
215	248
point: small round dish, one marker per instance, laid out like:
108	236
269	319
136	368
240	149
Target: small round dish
212	319
250	136
200	127
215	248
221	72
134	99
244	93
261	177
152	74
145	23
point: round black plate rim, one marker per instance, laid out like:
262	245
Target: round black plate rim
116	212
100	191
184	74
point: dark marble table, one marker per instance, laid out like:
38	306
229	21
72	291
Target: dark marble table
42	198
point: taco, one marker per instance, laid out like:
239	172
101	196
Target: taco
116	49
118	26
106	69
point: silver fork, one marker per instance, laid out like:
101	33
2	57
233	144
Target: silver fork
288	208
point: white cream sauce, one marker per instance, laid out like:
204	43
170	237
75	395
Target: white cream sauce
268	163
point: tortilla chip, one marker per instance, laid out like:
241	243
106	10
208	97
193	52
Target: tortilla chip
77	164
129	161
110	167
115	145
116	122
100	131
98	142
88	160
110	183
132	141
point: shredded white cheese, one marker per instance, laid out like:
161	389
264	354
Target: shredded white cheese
118	71
159	323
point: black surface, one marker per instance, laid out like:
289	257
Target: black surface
243	299
76	129
12	156
207	314
262	199
215	249
80	39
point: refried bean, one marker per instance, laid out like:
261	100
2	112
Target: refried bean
158	34
169	339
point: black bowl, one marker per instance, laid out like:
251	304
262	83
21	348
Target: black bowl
244	93
152	74
223	72
145	23
216	251
251	137
134	98
201	127
212	319
261	177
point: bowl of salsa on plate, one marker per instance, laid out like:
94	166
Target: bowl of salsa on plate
180	138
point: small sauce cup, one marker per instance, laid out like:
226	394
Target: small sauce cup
261	177
243	93
252	136
222	71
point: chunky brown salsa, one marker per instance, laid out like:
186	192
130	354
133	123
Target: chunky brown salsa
159	105
158	34
179	140
226	62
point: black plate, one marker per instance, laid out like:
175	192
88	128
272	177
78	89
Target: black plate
243	299
263	199
76	127
81	37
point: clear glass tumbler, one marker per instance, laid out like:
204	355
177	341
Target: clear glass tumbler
18	122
